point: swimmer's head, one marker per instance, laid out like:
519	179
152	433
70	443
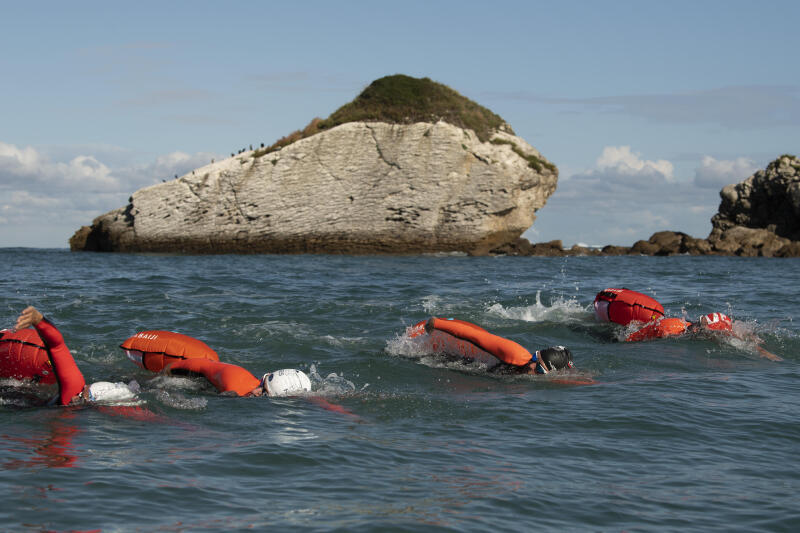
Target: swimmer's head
286	382
716	322
104	391
554	358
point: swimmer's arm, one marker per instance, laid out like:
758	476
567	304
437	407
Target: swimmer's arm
224	376
70	379
761	351
769	355
325	404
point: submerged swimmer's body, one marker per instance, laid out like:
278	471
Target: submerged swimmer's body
469	342
625	307
712	325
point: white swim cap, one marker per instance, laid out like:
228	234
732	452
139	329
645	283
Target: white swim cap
286	382
105	391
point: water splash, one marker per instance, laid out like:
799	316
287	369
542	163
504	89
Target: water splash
178	383
431	303
561	309
177	400
331	385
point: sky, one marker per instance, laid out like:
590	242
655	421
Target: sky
647	108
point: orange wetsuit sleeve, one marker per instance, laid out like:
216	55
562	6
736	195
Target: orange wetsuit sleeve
70	379
504	349
224	376
664	327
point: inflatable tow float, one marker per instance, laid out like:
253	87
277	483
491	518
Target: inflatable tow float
154	350
623	306
159	350
24	355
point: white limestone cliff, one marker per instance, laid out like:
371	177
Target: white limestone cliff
361	187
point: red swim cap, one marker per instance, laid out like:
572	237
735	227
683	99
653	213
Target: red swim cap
716	322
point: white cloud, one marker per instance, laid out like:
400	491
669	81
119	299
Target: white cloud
17	161
621	161
178	163
57	197
619	170
26	167
715	174
20	200
84	171
624	198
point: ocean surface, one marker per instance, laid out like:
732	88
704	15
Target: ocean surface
671	435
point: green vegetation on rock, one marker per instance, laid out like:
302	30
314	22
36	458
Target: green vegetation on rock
401	99
534	162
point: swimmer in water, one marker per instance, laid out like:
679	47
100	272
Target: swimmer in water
710	325
227	378
237	381
233	380
72	387
543	362
467	341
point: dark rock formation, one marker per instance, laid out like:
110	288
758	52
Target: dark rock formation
757	217
769	199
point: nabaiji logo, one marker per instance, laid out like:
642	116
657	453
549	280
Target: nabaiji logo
148	336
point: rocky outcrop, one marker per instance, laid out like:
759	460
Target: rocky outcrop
361	187
761	215
671	243
749	242
757	217
769	199
745	242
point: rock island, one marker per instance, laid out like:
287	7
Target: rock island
409	166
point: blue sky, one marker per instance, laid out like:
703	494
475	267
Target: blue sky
647	108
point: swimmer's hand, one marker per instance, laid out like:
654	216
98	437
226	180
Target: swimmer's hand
30	316
769	355
531	368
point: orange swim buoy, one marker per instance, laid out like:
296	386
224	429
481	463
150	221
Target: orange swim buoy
623	306
154	350
24	355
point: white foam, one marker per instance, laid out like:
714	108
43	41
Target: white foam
11	382
181	383
418	350
342	341
560	310
405	346
431	303
176	400
331	385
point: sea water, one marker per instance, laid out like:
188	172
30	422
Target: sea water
672	435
